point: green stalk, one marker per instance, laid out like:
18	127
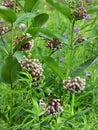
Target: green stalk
73	100
70	50
12	37
11	104
70	55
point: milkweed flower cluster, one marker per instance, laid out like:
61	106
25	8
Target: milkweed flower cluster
74	85
34	67
80	39
27	45
53	107
80	13
54	44
3	30
9	4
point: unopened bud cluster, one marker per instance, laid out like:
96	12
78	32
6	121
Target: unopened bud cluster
27	45
80	39
3	30
42	104
74	85
53	107
80	13
34	67
54	44
8	3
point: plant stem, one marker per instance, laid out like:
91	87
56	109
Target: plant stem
73	100
11	44
70	55
70	50
11	104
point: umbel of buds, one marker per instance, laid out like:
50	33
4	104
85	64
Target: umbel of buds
10	4
26	46
79	39
3	30
53	107
34	67
74	85
54	44
80	13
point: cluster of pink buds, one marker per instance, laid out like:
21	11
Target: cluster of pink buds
9	4
3	30
80	13
54	44
74	85
53	107
27	45
34	67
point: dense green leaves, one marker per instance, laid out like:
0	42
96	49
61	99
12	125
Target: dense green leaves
83	66
61	8
9	69
93	9
31	5
40	19
54	66
7	14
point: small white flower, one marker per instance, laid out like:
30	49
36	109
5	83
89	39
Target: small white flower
22	26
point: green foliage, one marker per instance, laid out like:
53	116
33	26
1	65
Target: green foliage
7	14
61	8
93	10
46	33
83	66
40	19
19	98
54	66
30	5
9	69
23	18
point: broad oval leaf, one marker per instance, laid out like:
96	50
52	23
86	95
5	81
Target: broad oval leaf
61	8
7	14
34	30
31	5
23	18
54	66
40	19
9	69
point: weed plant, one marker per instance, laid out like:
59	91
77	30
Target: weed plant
48	65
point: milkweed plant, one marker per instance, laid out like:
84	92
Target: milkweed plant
48	64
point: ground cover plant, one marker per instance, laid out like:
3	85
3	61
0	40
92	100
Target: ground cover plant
48	65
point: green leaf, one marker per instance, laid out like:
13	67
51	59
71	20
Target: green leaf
34	30
54	66
93	9
61	8
9	69
31	5
7	14
83	66
23	18
40	19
